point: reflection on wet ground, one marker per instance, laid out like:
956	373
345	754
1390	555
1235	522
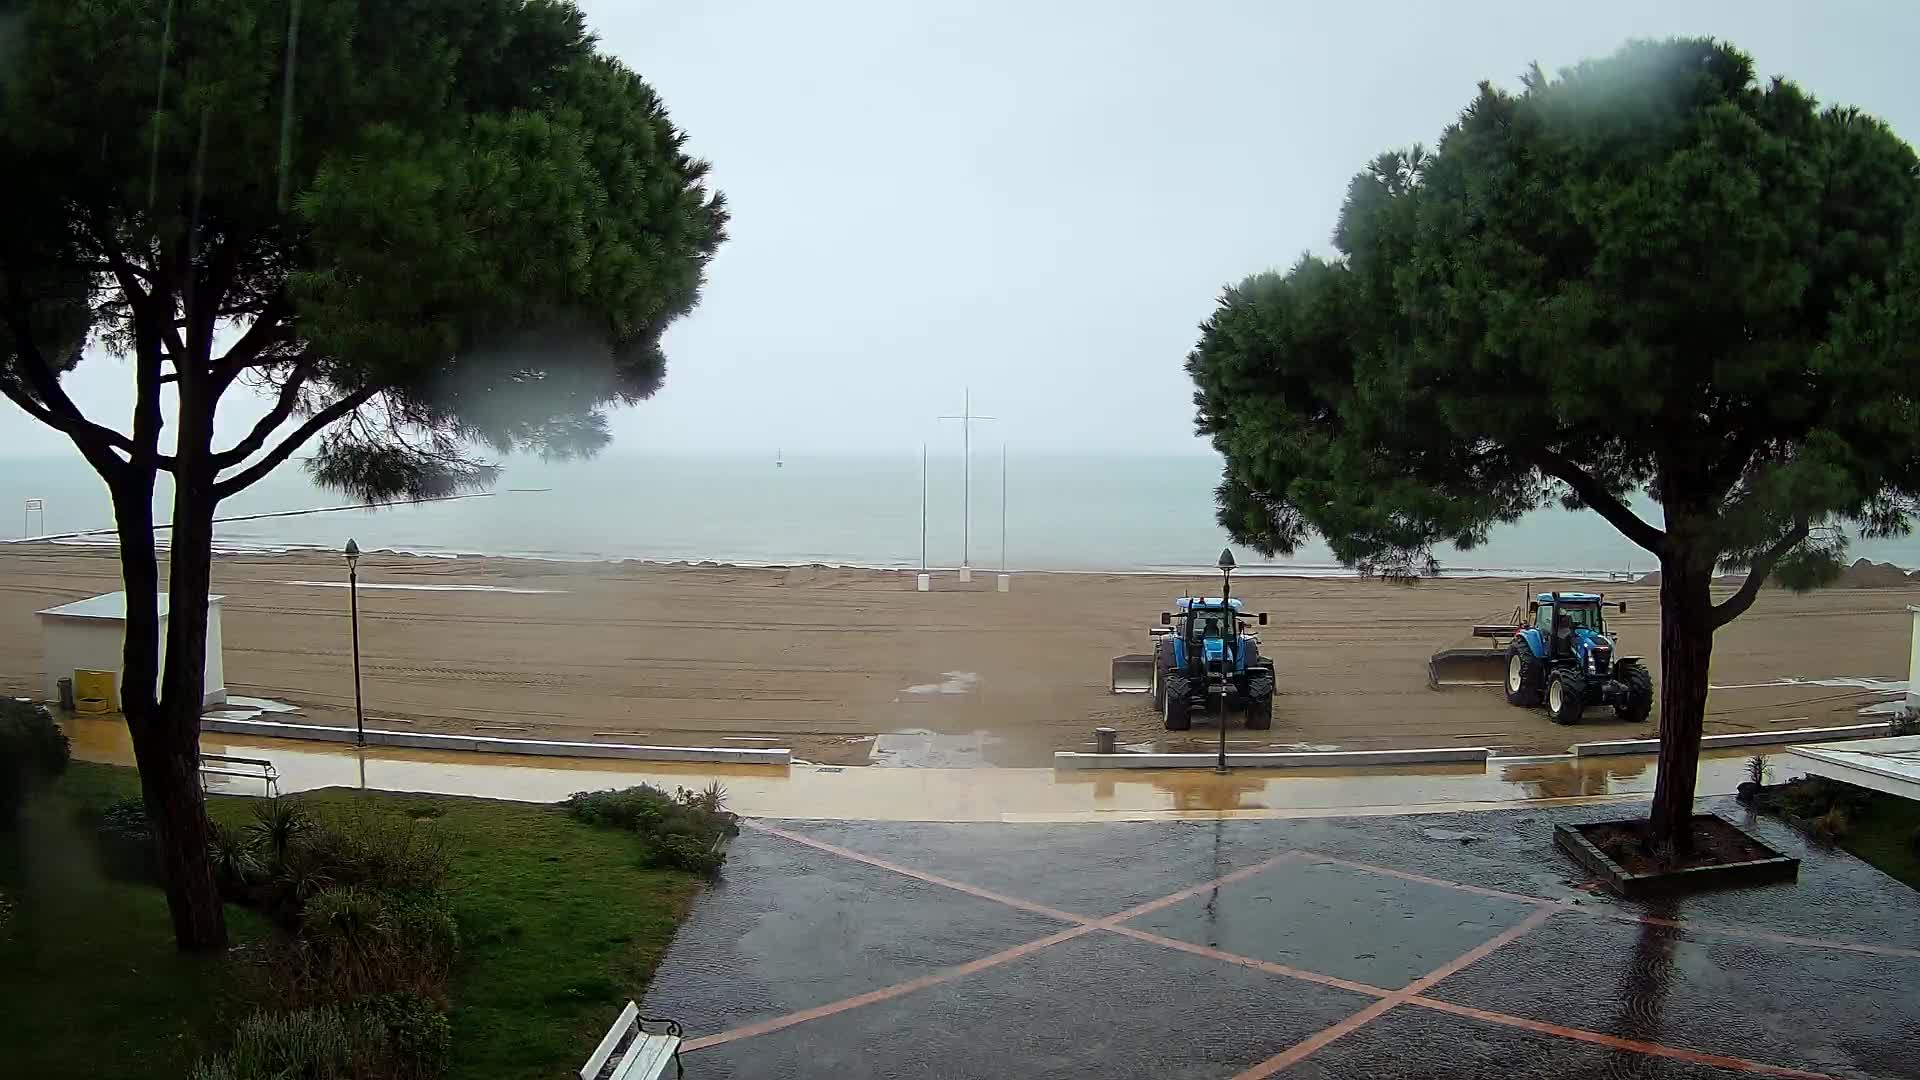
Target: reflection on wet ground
949	794
1335	947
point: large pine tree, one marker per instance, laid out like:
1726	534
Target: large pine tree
1650	273
424	228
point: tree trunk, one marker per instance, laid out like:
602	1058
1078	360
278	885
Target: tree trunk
199	917
167	755
1686	653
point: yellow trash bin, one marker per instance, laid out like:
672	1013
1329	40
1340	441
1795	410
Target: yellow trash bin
93	692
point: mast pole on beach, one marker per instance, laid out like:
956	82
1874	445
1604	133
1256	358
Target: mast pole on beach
967	417
923	508
1003	509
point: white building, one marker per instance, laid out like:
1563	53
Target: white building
90	634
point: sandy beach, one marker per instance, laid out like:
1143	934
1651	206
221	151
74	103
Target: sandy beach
824	660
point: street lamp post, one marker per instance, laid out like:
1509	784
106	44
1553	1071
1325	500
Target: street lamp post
1230	648
353	605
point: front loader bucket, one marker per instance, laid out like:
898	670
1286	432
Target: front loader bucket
1466	667
1133	674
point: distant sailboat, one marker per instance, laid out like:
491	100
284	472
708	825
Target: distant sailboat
778	461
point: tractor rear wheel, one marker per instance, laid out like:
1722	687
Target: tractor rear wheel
1523	675
1176	709
1638	703
1566	697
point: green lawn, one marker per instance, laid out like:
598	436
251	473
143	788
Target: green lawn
559	928
1885	835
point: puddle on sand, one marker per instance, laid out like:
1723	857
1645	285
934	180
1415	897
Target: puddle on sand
952	682
920	749
238	707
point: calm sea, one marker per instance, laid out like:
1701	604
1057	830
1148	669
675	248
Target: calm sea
1061	513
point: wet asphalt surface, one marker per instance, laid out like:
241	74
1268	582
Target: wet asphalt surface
804	962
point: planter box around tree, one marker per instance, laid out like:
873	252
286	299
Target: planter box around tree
1724	855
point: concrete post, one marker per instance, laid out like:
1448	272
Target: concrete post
923	582
1105	740
966	573
1005	582
1913	662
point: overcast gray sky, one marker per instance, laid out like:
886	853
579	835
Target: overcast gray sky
1043	200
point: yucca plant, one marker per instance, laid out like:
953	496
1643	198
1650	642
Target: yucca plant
277	823
235	866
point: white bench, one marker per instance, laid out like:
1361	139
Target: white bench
244	767
631	1052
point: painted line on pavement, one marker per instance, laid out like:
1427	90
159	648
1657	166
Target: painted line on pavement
1615	1042
896	990
1411	994
1306	1047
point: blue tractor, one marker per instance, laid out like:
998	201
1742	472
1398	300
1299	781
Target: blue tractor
1566	658
1201	653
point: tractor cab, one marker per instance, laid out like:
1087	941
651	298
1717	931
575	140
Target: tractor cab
1203	627
1569	623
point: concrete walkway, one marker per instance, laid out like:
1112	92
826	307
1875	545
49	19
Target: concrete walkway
984	795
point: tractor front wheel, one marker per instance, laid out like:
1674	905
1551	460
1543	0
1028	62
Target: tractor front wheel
1175	707
1523	675
1638	702
1566	697
1162	663
1260	699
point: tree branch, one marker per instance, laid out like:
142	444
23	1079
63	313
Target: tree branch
54	408
1600	499
314	425
282	409
1736	605
129	274
267	329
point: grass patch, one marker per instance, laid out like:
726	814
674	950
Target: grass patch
559	926
1880	829
1887	834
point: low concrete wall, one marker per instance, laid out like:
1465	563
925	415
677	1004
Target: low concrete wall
1067	759
423	740
1744	738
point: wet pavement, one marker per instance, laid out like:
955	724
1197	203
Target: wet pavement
950	794
1436	945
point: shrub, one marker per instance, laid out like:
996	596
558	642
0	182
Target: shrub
124	839
306	1044
638	809
367	851
33	750
355	941
415	1039
382	1037
1831	827
683	831
377	852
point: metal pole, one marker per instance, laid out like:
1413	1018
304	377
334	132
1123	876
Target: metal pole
966	478
1003	508
923	508
353	602
1232	633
